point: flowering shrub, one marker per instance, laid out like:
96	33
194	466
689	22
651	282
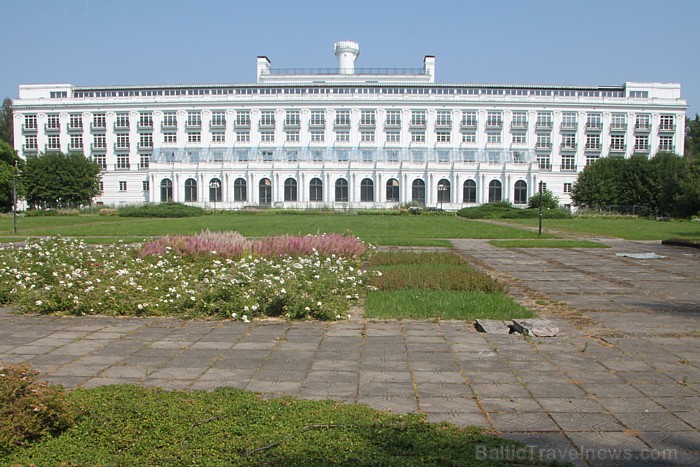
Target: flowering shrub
67	276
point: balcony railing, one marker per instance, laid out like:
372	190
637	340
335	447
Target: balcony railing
618	127
543	146
293	124
168	125
641	148
667	148
29	149
443	124
567	168
568	147
145	125
266	124
98	126
470	124
145	146
242	123
121	147
72	148
143	165
75	128
193	126
570	126
618	147
594	126
98	147
665	127
518	125
48	148
545	167
52	128
543	125
593	147
29	129
121	126
494	124
217	125
417	124
642	127
122	166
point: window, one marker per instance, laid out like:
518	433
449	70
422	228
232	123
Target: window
469	118
267	118
30	143
469	137
443	136
76	142
392	191
267	156
122	162
519	120
542	187
667	122
215	192
122	186
443	118
568	121
194	119
367	136
495	189
240	190
291	155
75	122
122	141
342	136
190	190
520	192
144	161
590	158
316	156
100	160
342	118
393	118
318	136
469	191
53	122
194	137
99	121
218	119
494	119
315	190
243	118
519	138
568	163
418	118
169	137
666	143
54	143
567	187
641	143
418	191
145	185
593	142
318	118
122	121
292	118
443	156
493	138
218	136
292	136
618	122
418	136
444	194
543	142
30	122
568	141
368	117
243	136
169	119
594	122
366	190
544	162
146	140
639	94
267	136
642	122
393	136
146	120
544	120
341	190
617	142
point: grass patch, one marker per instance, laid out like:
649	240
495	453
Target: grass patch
627	228
442	304
130	425
379	230
549	243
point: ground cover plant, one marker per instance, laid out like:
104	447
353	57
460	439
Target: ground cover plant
435	285
505	210
131	425
375	229
187	277
547	243
162	210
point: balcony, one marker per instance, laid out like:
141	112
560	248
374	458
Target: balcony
121	148
72	148
368	124
667	148
166	125
618	127
217	125
29	149
393	125
642	128
52	128
292	124
518	125
544	166
494	124
593	148
642	148
569	126
667	128
75	128
145	146
193	125
567	168
543	146
98	148
29	128
99	126
567	147
121	127
143	165
594	126
102	164
267	124
618	148
469	124
443	125
242	123
544	125
145	126
122	166
48	148
417	124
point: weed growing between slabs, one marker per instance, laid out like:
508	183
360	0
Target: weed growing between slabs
435	285
208	275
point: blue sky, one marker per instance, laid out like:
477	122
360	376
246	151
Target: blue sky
592	42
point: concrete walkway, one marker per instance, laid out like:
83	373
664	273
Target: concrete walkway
621	385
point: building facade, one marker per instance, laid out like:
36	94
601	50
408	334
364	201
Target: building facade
345	138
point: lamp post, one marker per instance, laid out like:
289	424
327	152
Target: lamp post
14	200
540	216
441	193
214	185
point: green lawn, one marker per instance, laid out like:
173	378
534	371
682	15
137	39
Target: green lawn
130	425
377	229
630	229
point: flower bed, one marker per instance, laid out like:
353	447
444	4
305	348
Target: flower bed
187	277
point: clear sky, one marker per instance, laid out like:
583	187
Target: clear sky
591	42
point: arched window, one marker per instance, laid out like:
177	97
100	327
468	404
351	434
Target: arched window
290	190
316	190
366	190
444	191
240	190
190	190
495	189
392	191
215	190
341	190
166	190
469	195
265	192
520	192
418	191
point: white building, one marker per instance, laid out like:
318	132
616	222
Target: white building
345	137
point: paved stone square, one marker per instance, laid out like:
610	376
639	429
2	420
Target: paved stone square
623	376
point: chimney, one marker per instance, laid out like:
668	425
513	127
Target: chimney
347	52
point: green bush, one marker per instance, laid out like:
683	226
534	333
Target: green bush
40	212
506	211
29	409
549	201
162	210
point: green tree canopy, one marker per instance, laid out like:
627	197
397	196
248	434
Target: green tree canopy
692	136
57	180
549	201
10	163
6	127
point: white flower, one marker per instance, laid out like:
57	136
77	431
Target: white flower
235	315
39	303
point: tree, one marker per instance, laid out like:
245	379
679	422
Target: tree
6	126
599	184
57	180
692	136
9	166
549	201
